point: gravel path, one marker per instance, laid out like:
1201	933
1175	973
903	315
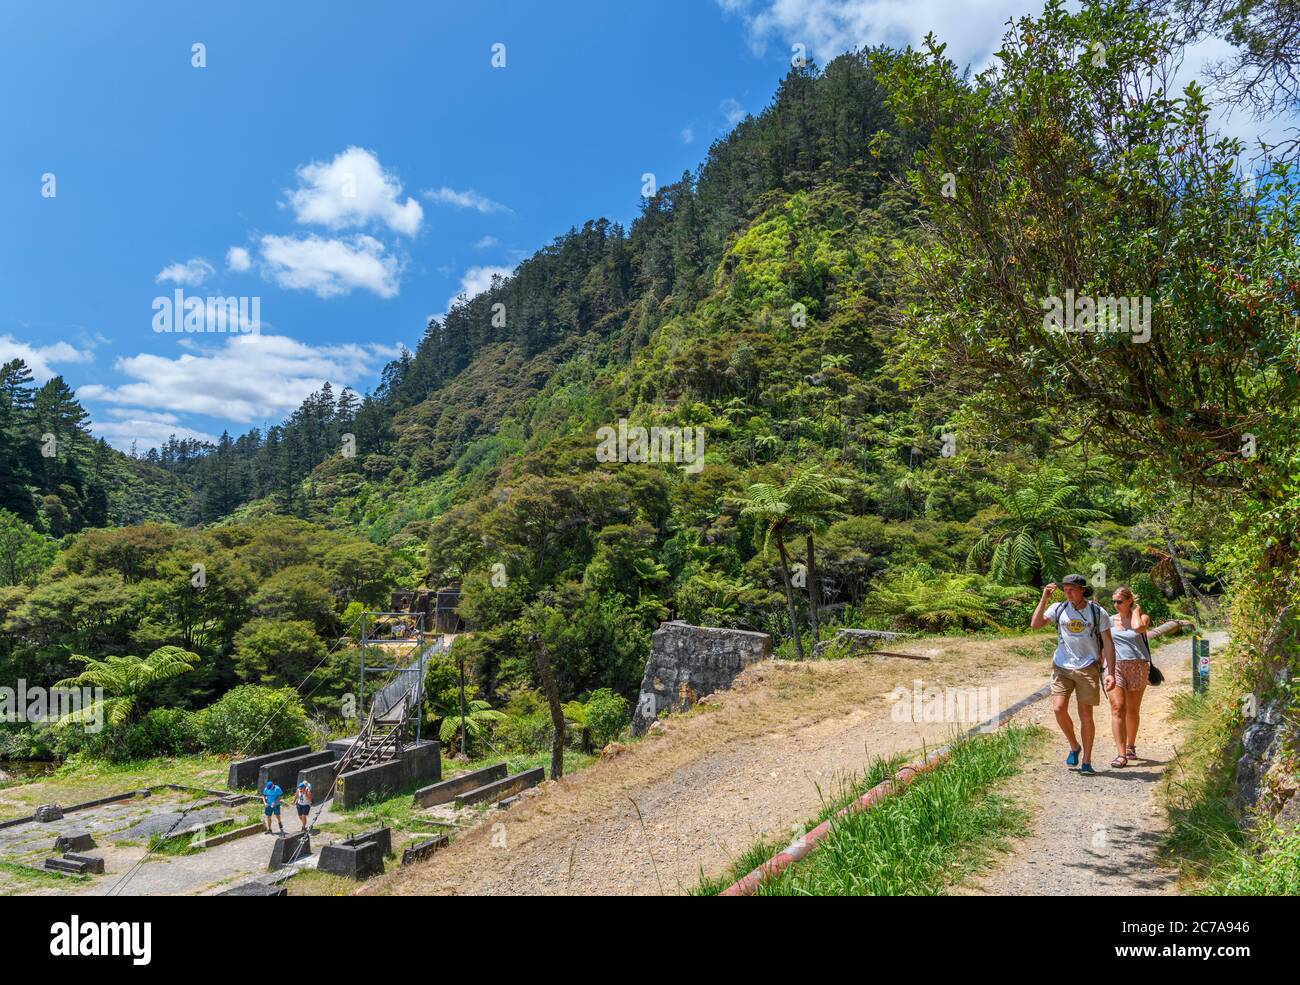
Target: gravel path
754	761
1098	836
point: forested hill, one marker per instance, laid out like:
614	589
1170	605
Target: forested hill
597	292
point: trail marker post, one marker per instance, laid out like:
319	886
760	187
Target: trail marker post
1200	664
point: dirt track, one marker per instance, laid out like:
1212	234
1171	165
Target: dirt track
754	760
1098	836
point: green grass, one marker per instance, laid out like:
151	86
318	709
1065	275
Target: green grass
1215	856
941	828
81	779
764	848
24	877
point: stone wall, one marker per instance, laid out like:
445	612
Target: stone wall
687	662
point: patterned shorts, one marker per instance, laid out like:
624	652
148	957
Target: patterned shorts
1132	675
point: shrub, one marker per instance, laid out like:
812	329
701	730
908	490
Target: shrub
1152	600
607	716
253	719
164	732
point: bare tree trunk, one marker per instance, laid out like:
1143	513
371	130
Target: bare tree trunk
814	593
1189	589
789	594
552	692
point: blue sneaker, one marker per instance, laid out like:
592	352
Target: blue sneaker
1073	758
1087	770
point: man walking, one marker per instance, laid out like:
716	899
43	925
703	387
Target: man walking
1083	645
271	796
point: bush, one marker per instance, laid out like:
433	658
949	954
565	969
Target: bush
162	732
253	719
1151	599
607	716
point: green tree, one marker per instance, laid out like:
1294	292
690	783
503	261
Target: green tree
806	502
1030	539
124	681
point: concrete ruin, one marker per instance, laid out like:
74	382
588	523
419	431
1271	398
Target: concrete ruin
418	763
359	857
687	662
498	790
448	790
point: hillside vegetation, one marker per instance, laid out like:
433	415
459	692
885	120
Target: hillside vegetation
848	299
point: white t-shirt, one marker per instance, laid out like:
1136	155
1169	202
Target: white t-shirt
1077	647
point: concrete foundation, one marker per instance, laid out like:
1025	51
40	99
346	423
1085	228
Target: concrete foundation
490	793
420	852
291	848
74	841
448	790
285	771
419	763
243	772
359	857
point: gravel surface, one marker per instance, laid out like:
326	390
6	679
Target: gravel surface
1099	835
756	761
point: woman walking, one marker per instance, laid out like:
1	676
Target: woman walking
1128	630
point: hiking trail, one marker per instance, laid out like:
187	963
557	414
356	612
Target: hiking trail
1098	835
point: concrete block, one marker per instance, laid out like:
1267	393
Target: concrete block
74	841
501	789
448	790
422	850
93	863
383	837
291	848
244	772
285	771
353	861
255	889
418	764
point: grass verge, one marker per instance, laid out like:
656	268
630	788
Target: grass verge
1216	857
940	829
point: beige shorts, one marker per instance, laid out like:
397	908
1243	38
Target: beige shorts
1086	682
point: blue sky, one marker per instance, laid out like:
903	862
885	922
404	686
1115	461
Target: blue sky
353	166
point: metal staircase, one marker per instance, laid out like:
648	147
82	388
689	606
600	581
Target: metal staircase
395	709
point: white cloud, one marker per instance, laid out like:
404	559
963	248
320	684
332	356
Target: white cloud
41	359
249	378
972	28
485	243
237	259
353	190
688	135
331	267
191	273
732	110
469	199
476	280
147	430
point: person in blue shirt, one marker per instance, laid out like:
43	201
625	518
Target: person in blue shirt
271	796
